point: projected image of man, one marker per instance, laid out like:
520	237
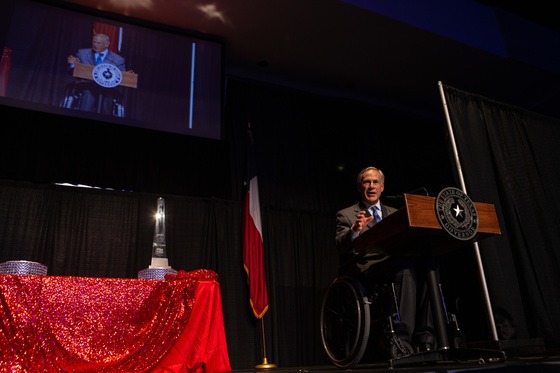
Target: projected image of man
92	96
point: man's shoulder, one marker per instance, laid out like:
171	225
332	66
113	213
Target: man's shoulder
390	209
350	209
115	55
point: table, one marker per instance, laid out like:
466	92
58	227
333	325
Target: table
87	324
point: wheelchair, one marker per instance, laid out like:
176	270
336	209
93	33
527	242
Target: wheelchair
356	321
73	98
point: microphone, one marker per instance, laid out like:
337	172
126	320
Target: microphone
399	197
396	198
420	191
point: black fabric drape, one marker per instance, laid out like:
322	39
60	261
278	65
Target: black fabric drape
296	240
509	157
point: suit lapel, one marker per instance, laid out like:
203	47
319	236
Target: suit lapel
92	58
362	206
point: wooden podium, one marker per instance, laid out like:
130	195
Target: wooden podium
417	221
84	71
127	79
417	225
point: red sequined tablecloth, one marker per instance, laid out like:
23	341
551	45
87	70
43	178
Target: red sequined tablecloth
83	324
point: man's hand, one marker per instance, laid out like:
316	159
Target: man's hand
361	221
73	60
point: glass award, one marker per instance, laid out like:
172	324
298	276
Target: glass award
159	251
160	266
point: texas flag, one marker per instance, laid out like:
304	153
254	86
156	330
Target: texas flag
253	250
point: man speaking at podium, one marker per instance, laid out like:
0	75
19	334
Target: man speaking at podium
406	272
90	91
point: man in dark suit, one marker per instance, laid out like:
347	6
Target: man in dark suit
90	90
404	271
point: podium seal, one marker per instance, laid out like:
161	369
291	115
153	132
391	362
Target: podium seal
106	75
456	214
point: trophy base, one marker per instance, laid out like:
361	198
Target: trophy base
159	263
23	267
155	273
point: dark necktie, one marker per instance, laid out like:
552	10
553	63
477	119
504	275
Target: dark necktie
99	58
376	214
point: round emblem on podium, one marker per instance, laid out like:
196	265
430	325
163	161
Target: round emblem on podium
106	75
456	214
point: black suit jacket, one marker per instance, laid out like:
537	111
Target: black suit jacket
350	260
87	56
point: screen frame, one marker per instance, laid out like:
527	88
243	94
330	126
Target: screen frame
209	108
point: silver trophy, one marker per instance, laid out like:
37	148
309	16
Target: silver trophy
160	265
158	245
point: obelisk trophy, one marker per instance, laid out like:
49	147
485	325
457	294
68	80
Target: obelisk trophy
159	252
160	265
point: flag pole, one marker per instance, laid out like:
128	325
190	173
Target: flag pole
265	364
253	248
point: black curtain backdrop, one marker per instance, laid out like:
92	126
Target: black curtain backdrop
510	158
309	150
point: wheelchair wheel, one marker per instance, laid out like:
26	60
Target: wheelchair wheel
400	349
345	322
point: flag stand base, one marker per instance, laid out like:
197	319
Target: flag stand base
265	365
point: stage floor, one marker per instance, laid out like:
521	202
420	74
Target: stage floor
534	363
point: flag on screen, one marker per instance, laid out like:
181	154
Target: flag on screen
113	32
253	249
5	67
